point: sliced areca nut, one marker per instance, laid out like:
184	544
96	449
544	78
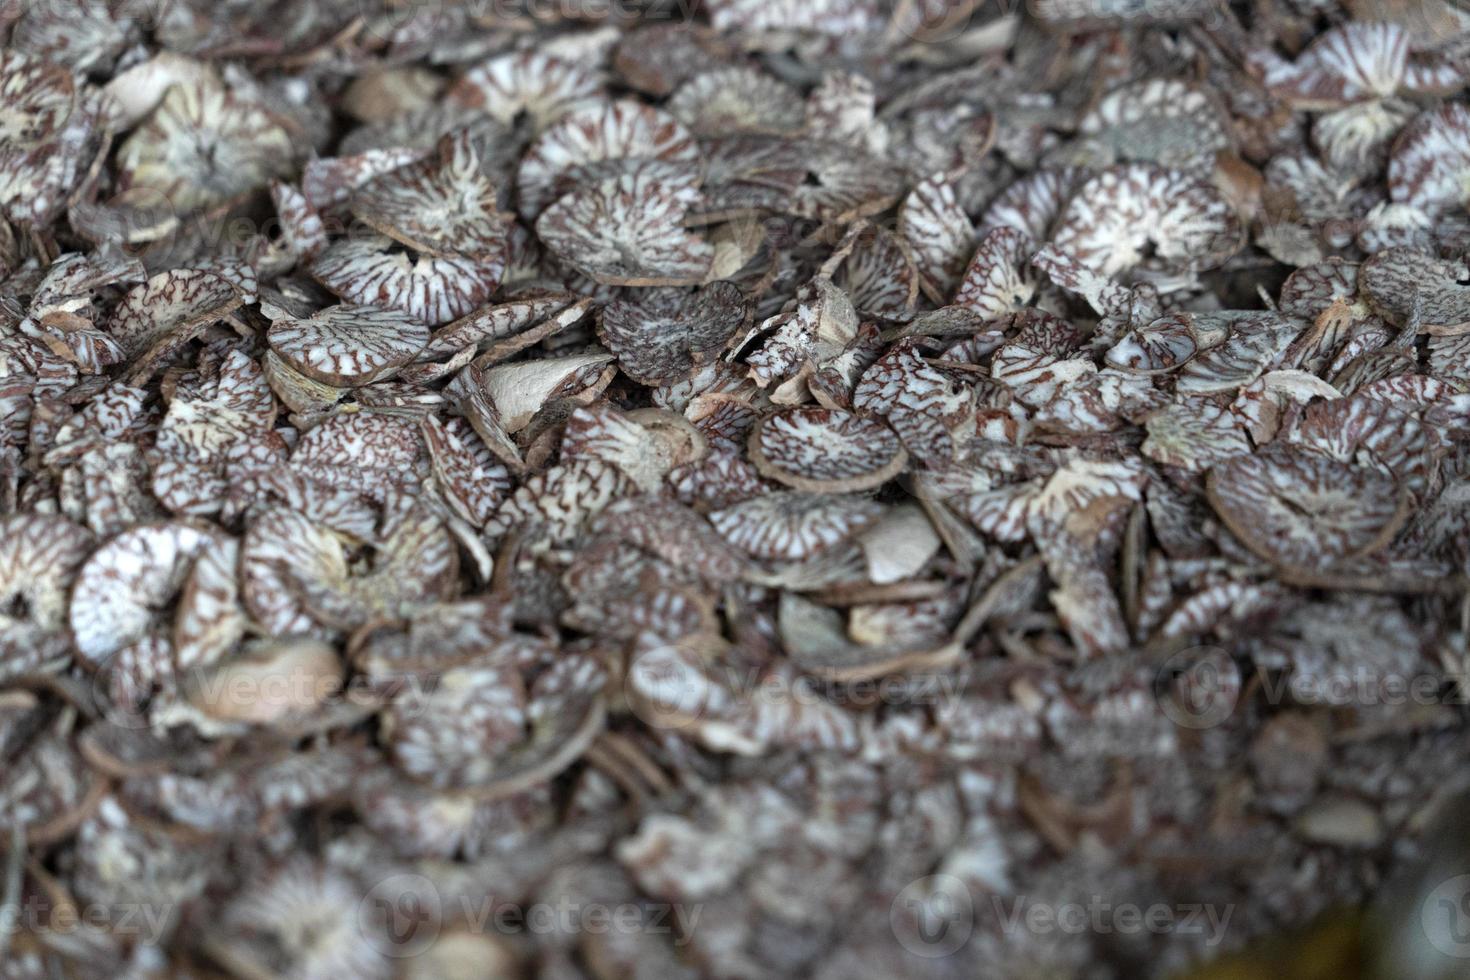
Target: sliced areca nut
443	205
123	585
348	346
40	556
373	270
1305	511
790	526
628	230
1411	288
586	137
821	450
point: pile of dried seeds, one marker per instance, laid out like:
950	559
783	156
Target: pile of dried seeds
740	489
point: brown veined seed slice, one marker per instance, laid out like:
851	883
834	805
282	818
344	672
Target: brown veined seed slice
790	526
554	506
348	346
539	85
1114	220
838	18
622	130
1409	287
1354	62
497	322
443	205
263	929
170	309
39	559
879	274
1034	204
661	336
629	231
47	125
998	279
1304	511
210	618
374	270
1165	121
938	233
476	732
820	450
125	582
1158	347
737	99
203	145
1429	168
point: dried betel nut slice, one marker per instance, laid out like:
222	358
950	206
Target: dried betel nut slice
1406	286
791	526
348	345
823	450
1305	512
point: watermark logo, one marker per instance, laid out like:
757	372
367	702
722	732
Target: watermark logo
1198	687
934	916
401	915
1445	917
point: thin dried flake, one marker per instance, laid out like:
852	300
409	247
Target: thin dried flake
47	123
737	99
999	278
791	526
1041	358
533	84
663	336
520	390
1162	345
1011	512
835	17
303	233
1411	288
938	233
373	270
39	559
552	508
303	919
1165	121
169	310
1150	219
1380	426
442	206
625	132
843	183
644	444
477	731
1194	436
503	321
210	618
125	583
628	231
864	647
204	145
328	182
1033	204
820	450
1429	169
1305	511
878	274
470	478
820	327
348	346
933	415
721	479
1255	343
1346	64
